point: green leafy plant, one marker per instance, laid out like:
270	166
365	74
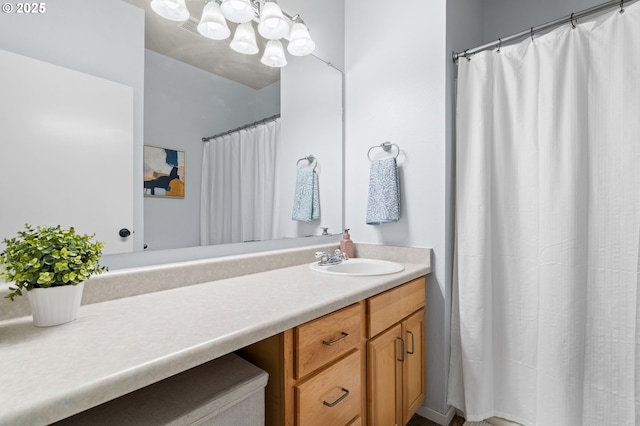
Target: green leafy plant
49	256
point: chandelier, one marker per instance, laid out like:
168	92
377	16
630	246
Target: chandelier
271	21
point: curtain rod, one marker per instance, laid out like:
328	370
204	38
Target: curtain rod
530	32
246	126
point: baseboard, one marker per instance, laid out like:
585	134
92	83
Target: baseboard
436	416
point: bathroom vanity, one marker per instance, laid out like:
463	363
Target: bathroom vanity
363	364
120	345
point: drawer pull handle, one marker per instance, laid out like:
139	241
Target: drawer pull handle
334	403
413	343
402	351
333	342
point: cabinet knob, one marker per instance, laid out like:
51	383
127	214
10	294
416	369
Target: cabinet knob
124	232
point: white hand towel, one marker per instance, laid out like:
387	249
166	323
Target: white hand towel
306	204
383	204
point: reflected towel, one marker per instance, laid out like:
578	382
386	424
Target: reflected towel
306	204
383	204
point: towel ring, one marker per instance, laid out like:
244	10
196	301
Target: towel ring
386	147
310	159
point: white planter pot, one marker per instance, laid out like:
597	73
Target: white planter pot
55	305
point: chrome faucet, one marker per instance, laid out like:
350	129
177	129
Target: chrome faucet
331	259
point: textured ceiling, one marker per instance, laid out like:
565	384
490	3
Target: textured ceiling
170	39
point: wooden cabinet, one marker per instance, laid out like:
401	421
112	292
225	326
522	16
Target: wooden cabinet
396	357
325	372
316	370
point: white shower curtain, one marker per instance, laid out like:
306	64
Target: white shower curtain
545	324
238	194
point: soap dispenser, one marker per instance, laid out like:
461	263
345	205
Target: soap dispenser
346	245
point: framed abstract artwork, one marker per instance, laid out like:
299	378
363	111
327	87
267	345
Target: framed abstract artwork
164	171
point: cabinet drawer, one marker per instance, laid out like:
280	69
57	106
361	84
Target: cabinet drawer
393	305
327	338
333	397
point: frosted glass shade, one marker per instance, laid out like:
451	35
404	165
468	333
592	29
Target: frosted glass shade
274	54
212	24
239	11
272	23
174	10
300	42
244	40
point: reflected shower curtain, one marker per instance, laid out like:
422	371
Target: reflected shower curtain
238	193
545	324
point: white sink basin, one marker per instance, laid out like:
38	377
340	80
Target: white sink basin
357	267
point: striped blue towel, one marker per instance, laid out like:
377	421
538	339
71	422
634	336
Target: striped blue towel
306	204
383	204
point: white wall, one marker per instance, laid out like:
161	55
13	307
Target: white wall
68	34
395	63
183	104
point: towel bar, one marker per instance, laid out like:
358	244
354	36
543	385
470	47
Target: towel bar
310	159
386	147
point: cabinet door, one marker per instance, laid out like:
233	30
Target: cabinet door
384	371
414	390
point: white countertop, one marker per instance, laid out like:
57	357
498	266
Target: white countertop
118	346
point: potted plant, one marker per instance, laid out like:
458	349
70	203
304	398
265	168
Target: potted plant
51	263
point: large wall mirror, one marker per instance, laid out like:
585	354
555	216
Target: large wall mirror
177	103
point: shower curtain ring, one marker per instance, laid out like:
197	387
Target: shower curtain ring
499	44
573	25
466	55
531	33
621	6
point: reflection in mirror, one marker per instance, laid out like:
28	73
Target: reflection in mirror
173	109
184	103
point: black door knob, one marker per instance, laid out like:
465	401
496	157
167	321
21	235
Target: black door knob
124	232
